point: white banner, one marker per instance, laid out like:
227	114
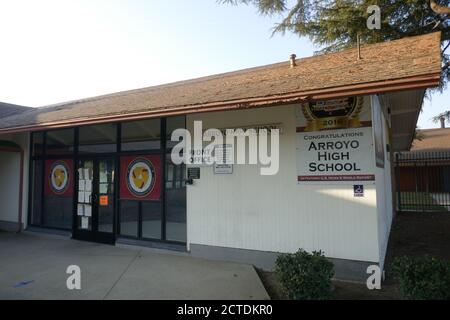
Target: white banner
335	142
335	155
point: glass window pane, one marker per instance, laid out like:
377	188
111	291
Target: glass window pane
36	192
84	194
129	217
38	143
175	201
151	220
57	212
58	194
172	124
98	139
106	172
141	135
60	142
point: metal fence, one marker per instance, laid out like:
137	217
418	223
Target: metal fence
423	181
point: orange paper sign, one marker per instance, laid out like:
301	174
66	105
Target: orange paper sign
103	200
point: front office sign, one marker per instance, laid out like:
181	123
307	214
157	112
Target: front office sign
334	142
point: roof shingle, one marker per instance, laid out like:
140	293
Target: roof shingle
381	63
432	140
7	109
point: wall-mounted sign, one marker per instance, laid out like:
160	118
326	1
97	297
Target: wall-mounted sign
193	173
200	157
140	177
334	141
59	178
378	132
358	190
224	154
223	169
244	130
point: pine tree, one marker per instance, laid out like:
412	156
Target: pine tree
335	24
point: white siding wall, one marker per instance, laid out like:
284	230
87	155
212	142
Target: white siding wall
384	194
273	213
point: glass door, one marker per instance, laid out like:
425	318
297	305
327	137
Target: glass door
95	200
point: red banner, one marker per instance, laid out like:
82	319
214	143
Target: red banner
140	177
58	178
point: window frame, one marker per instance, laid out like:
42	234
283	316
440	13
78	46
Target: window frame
163	151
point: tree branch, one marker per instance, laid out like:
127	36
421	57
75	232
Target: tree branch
446	66
446	47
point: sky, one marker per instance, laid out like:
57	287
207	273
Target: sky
53	51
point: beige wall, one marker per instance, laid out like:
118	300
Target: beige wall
9	186
9	180
273	213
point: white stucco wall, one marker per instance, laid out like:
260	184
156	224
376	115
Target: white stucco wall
274	213
9	179
9	186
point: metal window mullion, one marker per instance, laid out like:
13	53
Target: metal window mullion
139	219
163	125
44	158
30	179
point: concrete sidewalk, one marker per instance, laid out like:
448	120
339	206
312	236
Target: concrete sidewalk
33	266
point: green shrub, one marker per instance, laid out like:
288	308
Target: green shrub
304	275
422	278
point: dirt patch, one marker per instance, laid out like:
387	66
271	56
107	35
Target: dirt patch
271	284
412	234
358	291
342	290
419	234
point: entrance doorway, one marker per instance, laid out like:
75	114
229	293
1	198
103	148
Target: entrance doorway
95	202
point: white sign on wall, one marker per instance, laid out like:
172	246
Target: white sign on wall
334	142
223	169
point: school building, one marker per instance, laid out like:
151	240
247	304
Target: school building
100	169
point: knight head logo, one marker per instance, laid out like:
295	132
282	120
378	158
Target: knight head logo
59	177
140	177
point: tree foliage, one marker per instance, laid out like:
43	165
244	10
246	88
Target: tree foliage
335	24
445	115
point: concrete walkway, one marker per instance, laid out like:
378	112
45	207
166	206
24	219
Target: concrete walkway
33	266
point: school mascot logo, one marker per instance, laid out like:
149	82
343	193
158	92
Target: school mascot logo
59	177
140	177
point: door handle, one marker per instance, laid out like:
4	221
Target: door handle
94	198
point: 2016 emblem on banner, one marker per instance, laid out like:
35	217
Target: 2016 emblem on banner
333	114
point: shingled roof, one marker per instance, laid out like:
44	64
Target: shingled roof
390	66
7	109
432	140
